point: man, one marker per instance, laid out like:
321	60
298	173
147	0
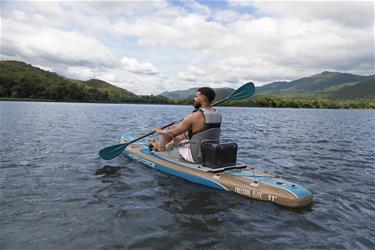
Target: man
198	121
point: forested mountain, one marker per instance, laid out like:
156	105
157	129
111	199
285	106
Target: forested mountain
328	85
21	80
362	90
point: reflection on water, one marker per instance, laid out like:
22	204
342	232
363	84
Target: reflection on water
108	170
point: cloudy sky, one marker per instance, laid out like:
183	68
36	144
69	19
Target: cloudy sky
152	46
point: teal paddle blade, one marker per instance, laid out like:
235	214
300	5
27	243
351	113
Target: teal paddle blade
243	92
112	151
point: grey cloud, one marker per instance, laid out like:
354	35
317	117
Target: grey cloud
347	13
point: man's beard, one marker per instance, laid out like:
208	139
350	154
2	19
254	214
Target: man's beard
197	105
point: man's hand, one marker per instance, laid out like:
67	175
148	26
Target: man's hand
159	130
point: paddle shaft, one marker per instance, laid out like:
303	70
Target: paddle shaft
153	132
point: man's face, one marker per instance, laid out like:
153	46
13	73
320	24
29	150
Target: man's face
198	100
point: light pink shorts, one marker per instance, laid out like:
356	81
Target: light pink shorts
185	151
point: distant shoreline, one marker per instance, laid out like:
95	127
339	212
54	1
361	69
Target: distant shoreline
24	99
5	99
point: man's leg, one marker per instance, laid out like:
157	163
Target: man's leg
164	140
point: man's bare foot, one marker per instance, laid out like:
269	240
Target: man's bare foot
155	145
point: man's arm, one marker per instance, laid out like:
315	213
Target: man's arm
179	129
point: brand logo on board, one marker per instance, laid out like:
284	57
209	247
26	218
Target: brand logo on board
142	160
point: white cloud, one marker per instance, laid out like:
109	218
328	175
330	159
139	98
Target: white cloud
234	71
190	31
132	65
86	73
247	68
107	76
197	7
82	73
276	40
191	74
226	16
151	85
53	45
351	13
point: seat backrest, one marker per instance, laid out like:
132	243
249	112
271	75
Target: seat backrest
212	134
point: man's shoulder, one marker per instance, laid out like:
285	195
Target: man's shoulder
194	115
210	109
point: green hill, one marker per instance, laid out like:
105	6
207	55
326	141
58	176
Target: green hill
326	85
323	85
113	92
21	80
362	90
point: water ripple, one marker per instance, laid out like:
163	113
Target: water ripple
51	197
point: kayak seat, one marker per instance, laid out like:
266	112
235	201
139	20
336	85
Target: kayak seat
212	134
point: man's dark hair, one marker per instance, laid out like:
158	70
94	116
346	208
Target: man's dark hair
208	92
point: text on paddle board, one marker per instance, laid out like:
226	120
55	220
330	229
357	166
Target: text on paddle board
140	159
247	192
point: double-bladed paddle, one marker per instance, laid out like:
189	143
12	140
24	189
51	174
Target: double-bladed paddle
243	92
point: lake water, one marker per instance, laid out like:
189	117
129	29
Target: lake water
52	199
